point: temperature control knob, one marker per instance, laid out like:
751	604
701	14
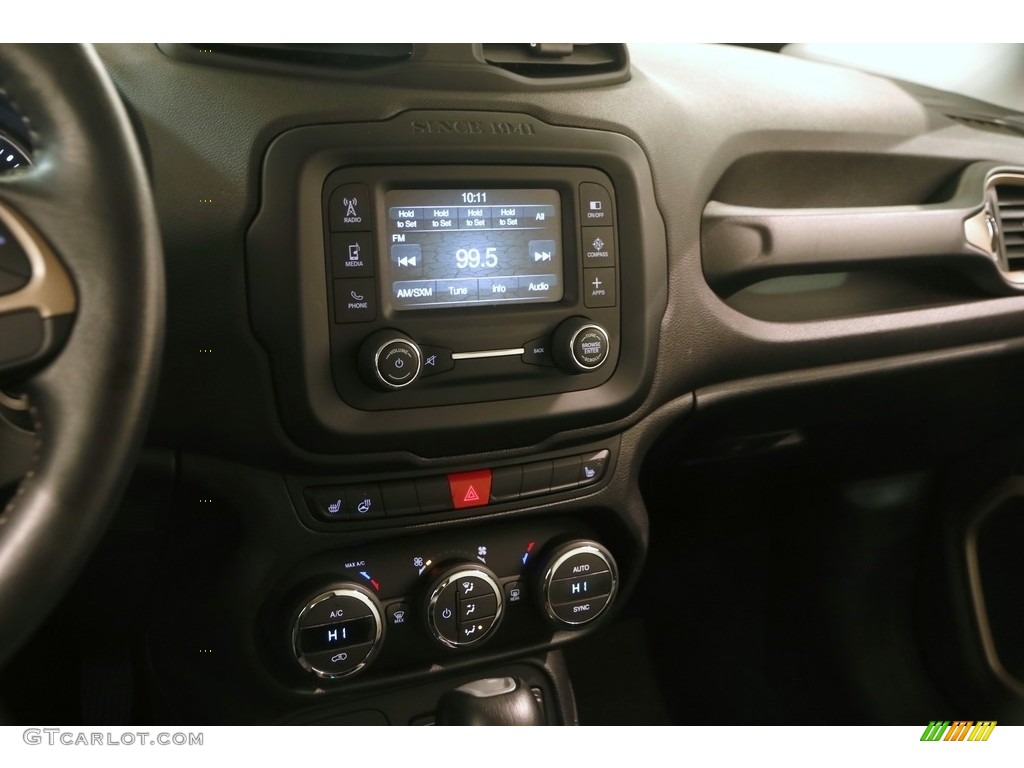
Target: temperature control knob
579	345
577	583
390	360
338	632
463	605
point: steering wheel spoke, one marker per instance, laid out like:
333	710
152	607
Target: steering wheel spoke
37	295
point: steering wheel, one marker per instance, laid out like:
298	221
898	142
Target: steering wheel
81	332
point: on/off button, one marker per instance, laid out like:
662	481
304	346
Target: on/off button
398	363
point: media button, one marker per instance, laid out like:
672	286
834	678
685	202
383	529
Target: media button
352	255
598	247
455	291
355	300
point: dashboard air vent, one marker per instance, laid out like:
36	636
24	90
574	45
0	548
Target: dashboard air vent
985	123
329	55
1009	200
548	60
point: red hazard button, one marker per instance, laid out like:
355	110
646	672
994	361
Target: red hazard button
470	489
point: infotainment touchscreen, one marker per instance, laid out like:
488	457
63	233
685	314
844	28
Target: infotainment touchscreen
456	247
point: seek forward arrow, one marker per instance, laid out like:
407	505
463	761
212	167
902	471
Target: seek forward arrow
542	256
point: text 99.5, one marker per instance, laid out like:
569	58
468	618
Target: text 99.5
471	258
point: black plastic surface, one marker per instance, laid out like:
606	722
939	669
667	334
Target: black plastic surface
289	295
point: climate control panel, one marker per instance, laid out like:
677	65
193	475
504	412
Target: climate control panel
399	604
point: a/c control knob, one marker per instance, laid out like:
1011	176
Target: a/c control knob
390	360
580	345
463	605
338	632
577	583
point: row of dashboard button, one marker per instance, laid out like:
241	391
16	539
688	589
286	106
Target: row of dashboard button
462	490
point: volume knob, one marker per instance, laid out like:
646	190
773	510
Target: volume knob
390	360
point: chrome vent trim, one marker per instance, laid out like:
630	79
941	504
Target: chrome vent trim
1005	193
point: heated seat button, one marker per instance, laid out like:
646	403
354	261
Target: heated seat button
327	502
592	467
470	489
364	501
580	588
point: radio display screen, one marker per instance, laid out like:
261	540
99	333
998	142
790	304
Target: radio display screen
453	247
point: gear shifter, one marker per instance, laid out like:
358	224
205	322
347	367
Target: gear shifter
492	701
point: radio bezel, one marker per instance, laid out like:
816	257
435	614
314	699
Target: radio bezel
468	328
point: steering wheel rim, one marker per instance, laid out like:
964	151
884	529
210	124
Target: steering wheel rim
87	197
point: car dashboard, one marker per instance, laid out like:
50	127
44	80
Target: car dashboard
674	383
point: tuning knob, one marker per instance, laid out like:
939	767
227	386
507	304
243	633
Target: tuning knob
338	632
579	345
463	605
577	582
390	360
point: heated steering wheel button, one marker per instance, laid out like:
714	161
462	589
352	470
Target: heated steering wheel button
364	501
580	588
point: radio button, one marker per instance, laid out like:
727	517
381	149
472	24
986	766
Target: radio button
350	208
595	205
